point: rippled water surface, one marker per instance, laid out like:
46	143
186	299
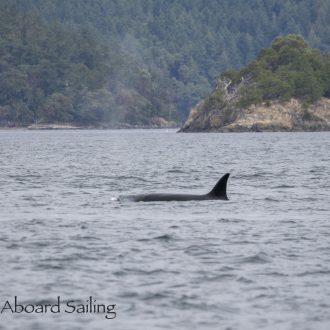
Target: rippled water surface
259	261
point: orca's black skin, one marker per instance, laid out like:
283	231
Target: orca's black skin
218	192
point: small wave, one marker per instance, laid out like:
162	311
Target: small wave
314	272
13	246
37	222
245	280
285	186
24	177
196	250
39	204
86	238
277	274
49	267
152	296
4	239
129	294
249	176
175	171
219	277
270	199
138	271
29	198
131	178
225	220
164	238
288	221
40	244
259	258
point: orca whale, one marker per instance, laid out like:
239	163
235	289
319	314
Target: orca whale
219	191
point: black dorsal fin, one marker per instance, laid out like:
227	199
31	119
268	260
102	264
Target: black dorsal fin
220	189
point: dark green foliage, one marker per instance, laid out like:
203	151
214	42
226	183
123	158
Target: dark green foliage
184	44
214	100
43	69
161	57
289	68
249	95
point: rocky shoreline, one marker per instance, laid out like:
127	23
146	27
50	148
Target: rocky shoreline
118	126
274	116
155	123
52	127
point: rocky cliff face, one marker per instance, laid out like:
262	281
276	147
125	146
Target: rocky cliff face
269	116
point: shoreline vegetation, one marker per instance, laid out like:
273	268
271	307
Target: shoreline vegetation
68	126
94	65
286	88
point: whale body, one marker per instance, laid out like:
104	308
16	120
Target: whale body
219	191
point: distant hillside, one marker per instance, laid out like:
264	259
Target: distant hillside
286	88
164	56
49	73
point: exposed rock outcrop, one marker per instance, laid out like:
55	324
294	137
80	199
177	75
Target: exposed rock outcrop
52	126
286	88
268	116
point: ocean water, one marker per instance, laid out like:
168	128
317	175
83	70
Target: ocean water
258	261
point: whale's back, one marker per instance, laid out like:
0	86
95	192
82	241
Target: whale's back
219	191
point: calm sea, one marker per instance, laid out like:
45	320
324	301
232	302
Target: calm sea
258	261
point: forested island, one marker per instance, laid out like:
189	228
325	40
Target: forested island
143	63
287	88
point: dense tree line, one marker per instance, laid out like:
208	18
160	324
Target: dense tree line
289	68
53	72
162	55
48	73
